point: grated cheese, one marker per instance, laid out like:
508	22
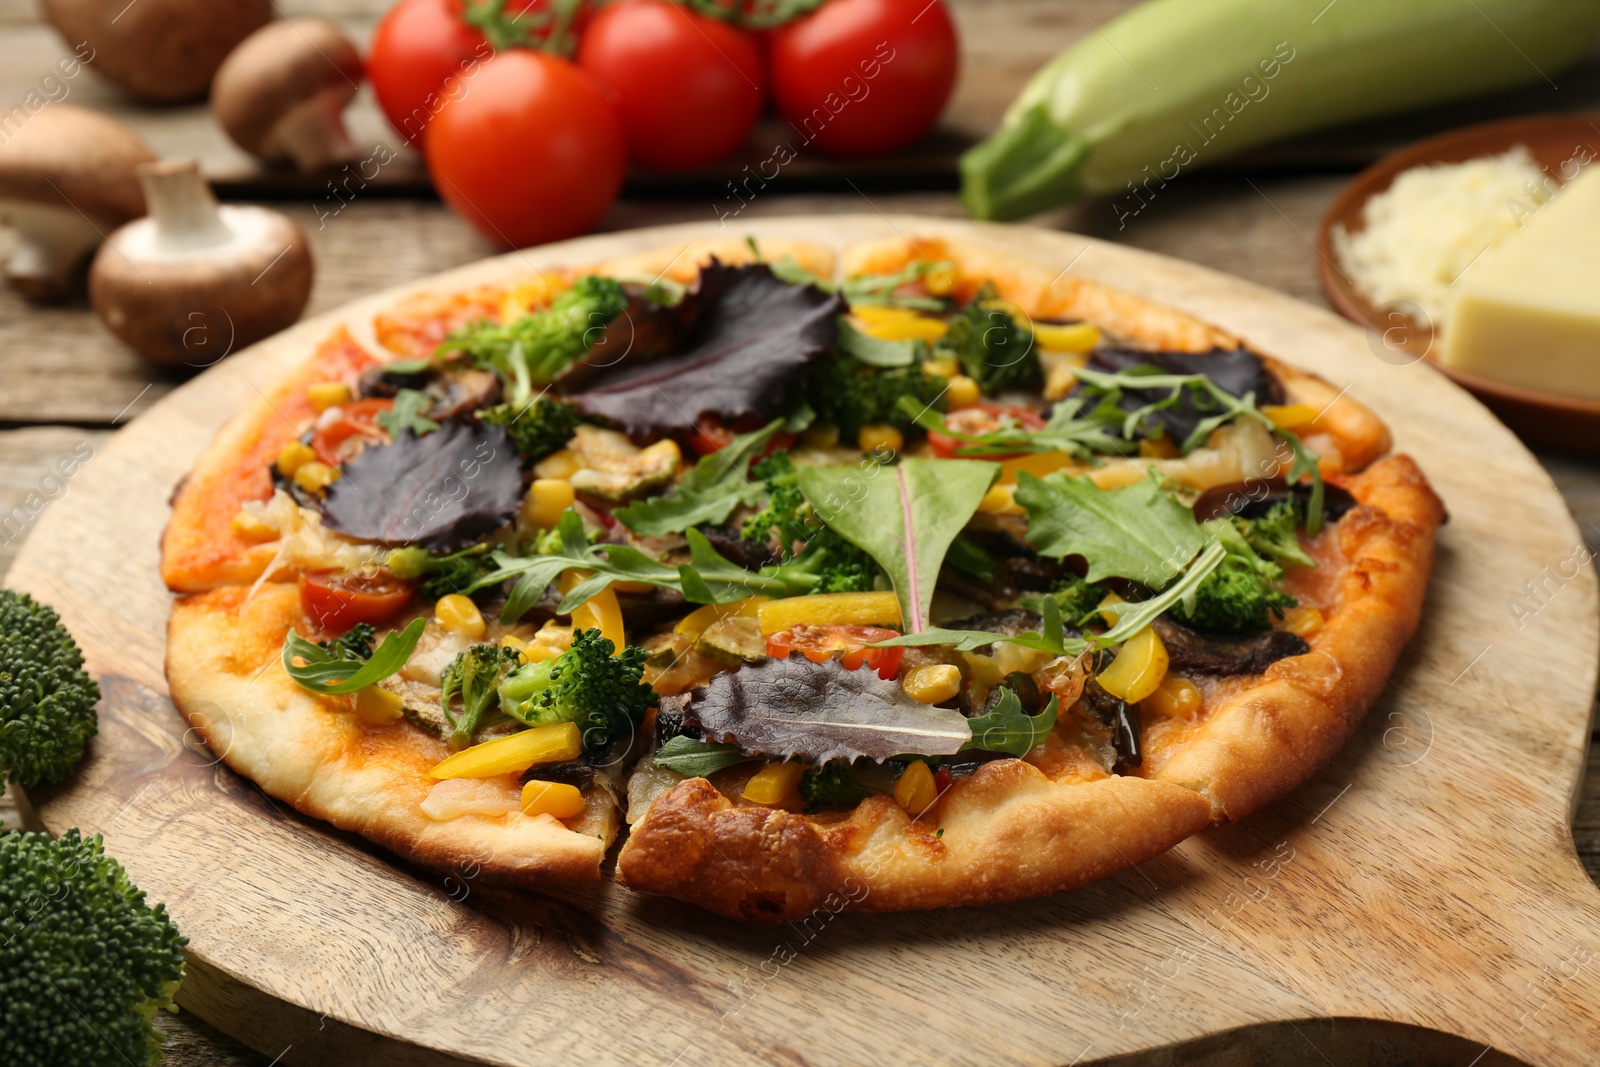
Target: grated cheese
1433	222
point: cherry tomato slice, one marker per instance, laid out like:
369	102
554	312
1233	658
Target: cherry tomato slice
336	601
818	643
979	420
359	418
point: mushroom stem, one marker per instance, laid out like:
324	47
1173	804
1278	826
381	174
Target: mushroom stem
312	134
183	207
52	243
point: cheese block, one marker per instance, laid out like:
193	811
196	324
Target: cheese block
1528	312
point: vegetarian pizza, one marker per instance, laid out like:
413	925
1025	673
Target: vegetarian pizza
903	577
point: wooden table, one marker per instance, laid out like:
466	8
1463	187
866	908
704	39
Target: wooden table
67	382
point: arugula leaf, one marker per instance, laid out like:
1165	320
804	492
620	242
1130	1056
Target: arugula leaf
1137	532
1081	437
693	758
407	414
711	578
969	557
708	493
874	289
1007	728
1051	637
322	672
903	516
876	352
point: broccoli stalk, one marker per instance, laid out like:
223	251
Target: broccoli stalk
588	685
1239	596
993	349
85	962
474	675
530	351
47	700
439	575
541	427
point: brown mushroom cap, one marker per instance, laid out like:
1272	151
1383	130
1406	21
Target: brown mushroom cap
75	158
160	50
304	65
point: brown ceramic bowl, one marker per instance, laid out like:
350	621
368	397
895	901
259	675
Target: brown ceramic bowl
1541	419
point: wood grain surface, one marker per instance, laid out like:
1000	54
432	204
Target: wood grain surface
1427	876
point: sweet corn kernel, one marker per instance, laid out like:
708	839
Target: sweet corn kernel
880	437
516	752
315	476
251	528
293	456
560	464
325	395
823	435
916	791
507	641
459	615
943	368
941	280
963	392
932	684
546	500
1291	416
1175	698
1059	380
1303	621
552	798
1078	337
378	706
1000	500
776	784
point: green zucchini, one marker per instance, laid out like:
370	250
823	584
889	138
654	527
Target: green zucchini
1175	84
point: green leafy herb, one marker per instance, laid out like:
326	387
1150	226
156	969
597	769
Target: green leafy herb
694	758
1050	638
408	414
1066	431
708	493
711	578
1007	728
872	289
875	351
1137	532
903	516
968	557
354	643
321	672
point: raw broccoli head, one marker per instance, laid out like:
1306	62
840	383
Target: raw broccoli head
47	713
993	349
543	426
354	643
1237	597
474	676
825	562
851	394
1273	534
84	962
603	693
1077	596
439	575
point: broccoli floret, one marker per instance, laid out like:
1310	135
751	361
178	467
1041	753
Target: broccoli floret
47	713
783	515
1239	596
532	350
440	575
850	394
993	349
1273	534
603	693
1077	596
832	786
354	643
542	427
825	562
84	961
474	675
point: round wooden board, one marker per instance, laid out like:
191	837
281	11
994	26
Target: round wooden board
1425	877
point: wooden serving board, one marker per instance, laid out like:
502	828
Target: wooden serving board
1426	878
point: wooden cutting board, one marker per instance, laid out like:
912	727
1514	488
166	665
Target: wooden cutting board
1426	877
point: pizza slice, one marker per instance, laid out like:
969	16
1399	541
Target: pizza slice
942	580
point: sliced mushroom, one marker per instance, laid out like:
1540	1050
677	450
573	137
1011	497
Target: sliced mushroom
159	50
281	94
196	280
68	176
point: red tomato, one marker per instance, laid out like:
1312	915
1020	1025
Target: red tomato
335	602
533	152
359	418
818	643
861	77
421	44
688	87
709	436
979	420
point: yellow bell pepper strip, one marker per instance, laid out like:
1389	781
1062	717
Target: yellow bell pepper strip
1291	416
1140	666
775	785
600	612
508	755
898	324
822	609
916	791
697	621
552	798
1078	337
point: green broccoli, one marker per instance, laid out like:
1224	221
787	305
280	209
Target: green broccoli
474	675
533	349
993	349
439	575
1077	596
354	643
1239	596
850	394
544	426
1273	534
782	514
601	692
832	785
47	700
84	961
826	562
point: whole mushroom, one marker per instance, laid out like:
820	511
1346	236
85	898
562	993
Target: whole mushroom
281	94
164	51
68	176
196	280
